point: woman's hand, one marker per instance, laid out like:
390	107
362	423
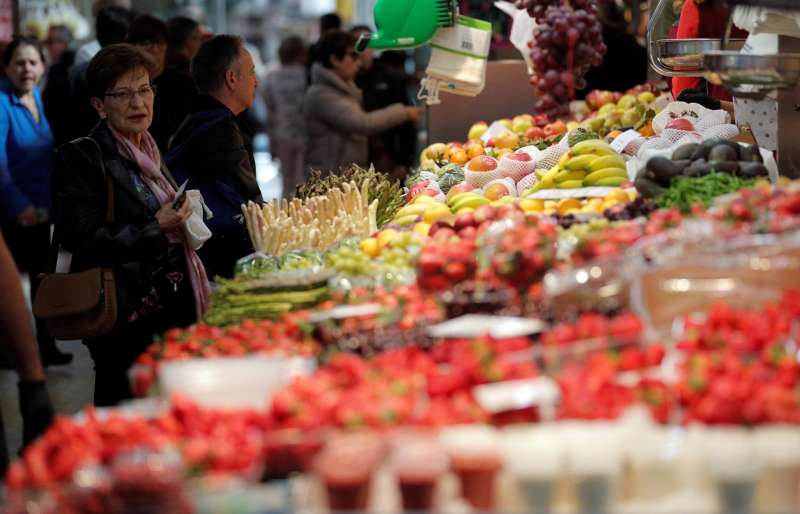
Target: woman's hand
169	218
27	218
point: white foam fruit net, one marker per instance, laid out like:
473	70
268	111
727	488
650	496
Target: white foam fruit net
510	185
700	117
527	182
481	178
515	170
550	157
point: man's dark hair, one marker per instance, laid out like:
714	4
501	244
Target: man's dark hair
112	25
18	41
292	50
147	29
111	63
336	43
213	59
179	29
330	21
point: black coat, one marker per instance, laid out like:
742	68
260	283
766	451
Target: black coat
133	244
213	150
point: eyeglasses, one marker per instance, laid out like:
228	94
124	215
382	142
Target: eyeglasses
126	95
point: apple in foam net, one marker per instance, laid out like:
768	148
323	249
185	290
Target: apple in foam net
680	124
461	187
519	156
482	163
496	191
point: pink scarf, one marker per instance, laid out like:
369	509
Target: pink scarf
148	158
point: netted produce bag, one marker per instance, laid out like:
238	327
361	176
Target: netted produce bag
481	178
527	182
515	169
508	183
549	158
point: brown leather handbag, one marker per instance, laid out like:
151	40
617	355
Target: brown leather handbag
79	305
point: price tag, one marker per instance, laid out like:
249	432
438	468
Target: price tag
624	139
516	394
476	325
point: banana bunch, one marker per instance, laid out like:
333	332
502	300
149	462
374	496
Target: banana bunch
588	163
422	206
466	201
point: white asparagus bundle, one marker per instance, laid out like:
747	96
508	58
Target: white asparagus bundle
278	227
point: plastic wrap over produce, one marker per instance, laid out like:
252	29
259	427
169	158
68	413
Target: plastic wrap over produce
683	271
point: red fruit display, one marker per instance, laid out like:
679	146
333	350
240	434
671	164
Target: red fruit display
523	254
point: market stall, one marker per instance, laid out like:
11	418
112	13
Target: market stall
591	312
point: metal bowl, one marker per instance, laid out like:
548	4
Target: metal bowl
752	75
684	57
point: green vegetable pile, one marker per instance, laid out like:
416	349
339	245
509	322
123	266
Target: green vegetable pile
388	193
684	192
236	300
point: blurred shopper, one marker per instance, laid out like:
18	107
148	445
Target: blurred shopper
27	144
625	64
184	36
57	93
19	347
337	126
111	27
213	148
89	49
327	23
160	280
393	150
58	41
175	90
285	124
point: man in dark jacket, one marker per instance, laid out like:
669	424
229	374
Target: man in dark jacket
213	148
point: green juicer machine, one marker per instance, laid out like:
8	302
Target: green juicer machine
407	23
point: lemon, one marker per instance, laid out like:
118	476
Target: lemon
370	247
386	236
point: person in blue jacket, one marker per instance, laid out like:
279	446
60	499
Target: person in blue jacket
26	145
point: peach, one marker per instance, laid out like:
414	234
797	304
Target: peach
519	156
482	163
496	191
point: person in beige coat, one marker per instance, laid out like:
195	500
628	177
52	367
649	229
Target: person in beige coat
337	126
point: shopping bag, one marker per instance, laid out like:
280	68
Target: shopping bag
458	60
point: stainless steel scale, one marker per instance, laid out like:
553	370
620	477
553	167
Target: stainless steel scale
750	76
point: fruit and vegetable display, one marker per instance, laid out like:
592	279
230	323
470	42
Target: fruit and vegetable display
563	315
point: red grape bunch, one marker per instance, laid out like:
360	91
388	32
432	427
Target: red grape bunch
568	41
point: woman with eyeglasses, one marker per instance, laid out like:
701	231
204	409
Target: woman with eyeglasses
26	145
160	281
337	126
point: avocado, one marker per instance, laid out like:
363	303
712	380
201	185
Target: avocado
699	168
731	167
752	170
684	152
702	150
648	188
723	152
750	153
663	170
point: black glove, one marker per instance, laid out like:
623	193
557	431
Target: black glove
695	96
36	410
